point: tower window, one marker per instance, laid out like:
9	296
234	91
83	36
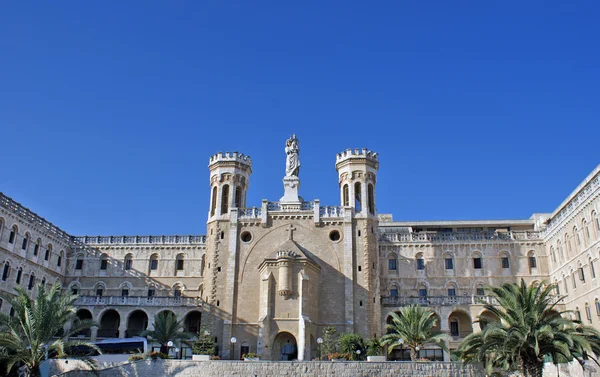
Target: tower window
357	197
19	274
6	271
371	199
31	282
13	235
103	262
36	248
225	199
79	263
238	197
213	204
345	196
392	266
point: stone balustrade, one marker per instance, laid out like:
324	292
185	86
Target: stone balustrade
418	237
104	240
137	301
437	300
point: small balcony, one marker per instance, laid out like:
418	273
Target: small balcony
437	300
138	301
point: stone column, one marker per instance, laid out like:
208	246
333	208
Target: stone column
93	333
122	328
348	272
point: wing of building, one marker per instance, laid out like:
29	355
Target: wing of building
273	276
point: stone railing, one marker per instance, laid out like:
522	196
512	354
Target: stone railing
331	211
250	213
102	240
33	218
437	300
567	209
459	236
137	301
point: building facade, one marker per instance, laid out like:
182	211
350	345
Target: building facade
273	276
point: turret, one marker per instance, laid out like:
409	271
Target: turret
229	180
357	171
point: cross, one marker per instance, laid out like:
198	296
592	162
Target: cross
291	229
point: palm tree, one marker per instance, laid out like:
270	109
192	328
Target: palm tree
166	328
530	329
413	325
33	332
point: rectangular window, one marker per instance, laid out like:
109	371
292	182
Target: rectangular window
151	292
454	329
128	264
505	262
532	262
477	263
451	292
99	292
423	292
103	264
420	264
480	291
392	264
24	245
47	255
180	265
154	264
79	264
449	264
124	292
394	292
11	238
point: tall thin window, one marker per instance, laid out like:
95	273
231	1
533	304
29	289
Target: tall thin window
586	230
451	291
177	292
25	241
394	292
505	261
454	328
357	197
392	264
13	234
553	252
532	260
213	204
238	197
577	235
574	279
153	262
477	262
588	312
479	290
6	271
225	199
597	303
31	282
449	263
48	252
577	314
151	292
128	262
103	262
60	257
568	244
561	252
79	262
592	269
420	263
179	263
371	199
19	275
422	291
345	196
36	248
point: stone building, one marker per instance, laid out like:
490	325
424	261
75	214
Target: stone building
273	276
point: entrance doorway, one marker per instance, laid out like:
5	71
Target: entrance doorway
284	347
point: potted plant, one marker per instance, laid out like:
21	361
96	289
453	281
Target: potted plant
204	347
251	356
375	350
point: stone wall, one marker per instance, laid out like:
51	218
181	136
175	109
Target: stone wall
180	368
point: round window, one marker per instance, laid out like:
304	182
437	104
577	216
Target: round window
334	235
246	236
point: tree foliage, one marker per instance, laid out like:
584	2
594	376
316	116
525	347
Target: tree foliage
33	332
167	328
530	329
204	345
330	341
413	324
350	343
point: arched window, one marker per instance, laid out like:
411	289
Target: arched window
553	253
179	263
561	252
392	263
154	262
454	328
577	235
477	261
99	289
574	279
586	230
581	272
74	287
31	281
505	259
568	243
532	260
36	248
44	280
25	241
151	291
60	258
451	288
13	234
597	222
588	312
557	287
128	262
224	199
394	291
597	303
422	290
238	197
345	196
592	268
213	203
177	290
371	199
19	275
479	290
357	197
565	281
48	252
103	262
79	262
6	271
420	262
577	314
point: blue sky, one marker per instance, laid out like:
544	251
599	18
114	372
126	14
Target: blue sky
109	111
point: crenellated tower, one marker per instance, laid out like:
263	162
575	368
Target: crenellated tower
229	180
357	172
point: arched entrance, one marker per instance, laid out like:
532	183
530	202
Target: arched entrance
109	324
138	322
192	322
285	347
84	315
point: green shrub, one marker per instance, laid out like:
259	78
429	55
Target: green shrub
205	344
374	347
353	346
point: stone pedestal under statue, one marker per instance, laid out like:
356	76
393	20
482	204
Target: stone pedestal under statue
290	187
